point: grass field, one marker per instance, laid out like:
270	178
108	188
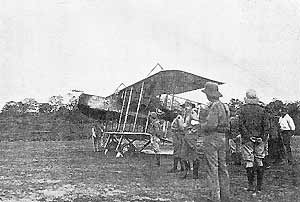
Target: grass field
71	171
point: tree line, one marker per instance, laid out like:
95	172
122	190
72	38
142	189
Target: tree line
30	105
67	109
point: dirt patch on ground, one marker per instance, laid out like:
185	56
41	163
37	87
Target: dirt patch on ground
71	171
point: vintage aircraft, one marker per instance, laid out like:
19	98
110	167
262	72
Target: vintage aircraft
126	112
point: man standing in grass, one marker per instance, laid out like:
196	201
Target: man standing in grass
97	136
156	134
177	128
287	129
214	129
189	143
253	129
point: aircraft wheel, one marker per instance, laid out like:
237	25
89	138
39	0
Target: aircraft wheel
111	148
127	149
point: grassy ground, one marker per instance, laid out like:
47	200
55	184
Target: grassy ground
71	171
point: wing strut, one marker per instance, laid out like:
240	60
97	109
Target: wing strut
124	124
138	107
157	65
122	109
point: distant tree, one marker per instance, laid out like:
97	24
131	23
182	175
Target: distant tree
72	102
274	106
11	108
294	111
29	101
30	105
56	102
293	108
63	111
45	108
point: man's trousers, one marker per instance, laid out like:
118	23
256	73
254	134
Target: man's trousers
286	140
215	156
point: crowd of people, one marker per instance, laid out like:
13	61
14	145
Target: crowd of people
212	124
280	128
254	136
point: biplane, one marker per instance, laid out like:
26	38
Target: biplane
126	112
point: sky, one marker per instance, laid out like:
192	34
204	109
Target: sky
50	47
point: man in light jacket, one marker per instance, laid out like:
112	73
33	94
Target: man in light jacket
287	129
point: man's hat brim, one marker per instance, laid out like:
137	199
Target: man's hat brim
212	94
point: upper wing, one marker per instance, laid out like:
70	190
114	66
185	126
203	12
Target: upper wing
169	82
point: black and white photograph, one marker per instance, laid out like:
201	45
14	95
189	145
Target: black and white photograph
149	101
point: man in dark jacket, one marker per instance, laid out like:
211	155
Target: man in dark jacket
253	126
275	143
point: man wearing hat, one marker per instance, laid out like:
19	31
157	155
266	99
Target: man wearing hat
155	131
177	128
214	128
189	142
253	129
